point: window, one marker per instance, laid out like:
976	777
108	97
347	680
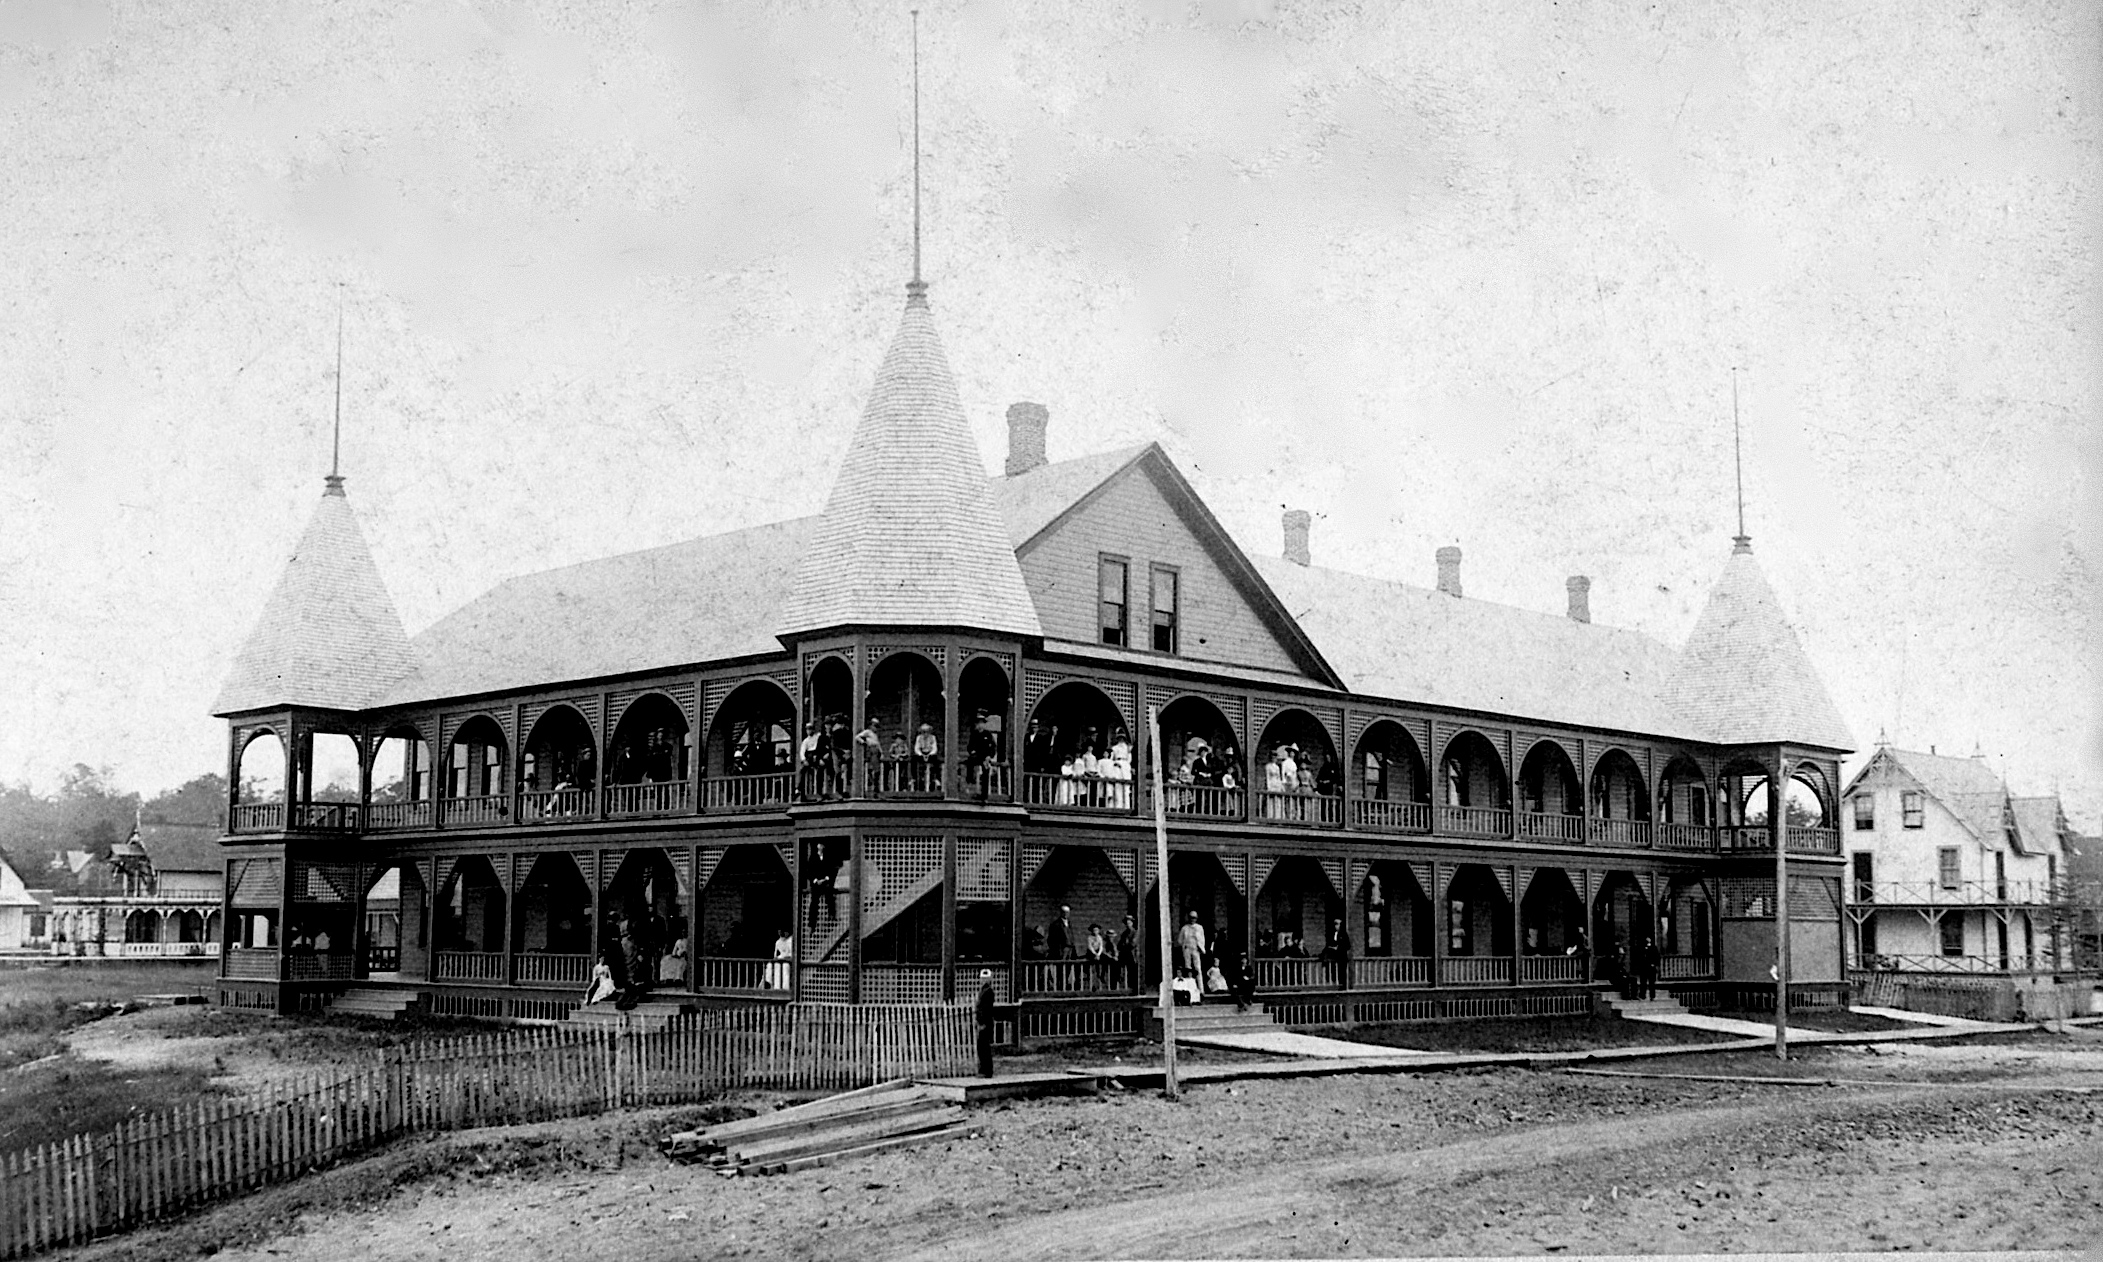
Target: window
1166	596
1865	812
1115	582
1952	935
1865	884
1912	806
1456	786
1946	870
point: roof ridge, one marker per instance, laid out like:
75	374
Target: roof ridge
1581	628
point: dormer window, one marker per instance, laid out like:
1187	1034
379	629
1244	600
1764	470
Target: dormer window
1115	581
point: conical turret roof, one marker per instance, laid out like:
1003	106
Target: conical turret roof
329	636
1743	677
910	535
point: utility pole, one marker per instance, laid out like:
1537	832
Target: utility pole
1167	935
1781	906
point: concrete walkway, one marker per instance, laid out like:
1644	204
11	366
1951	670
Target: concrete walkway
1812	1034
1291	1043
1924	1018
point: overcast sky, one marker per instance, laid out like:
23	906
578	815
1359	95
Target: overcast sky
1474	274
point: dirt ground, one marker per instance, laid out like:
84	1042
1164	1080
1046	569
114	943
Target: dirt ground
1990	1145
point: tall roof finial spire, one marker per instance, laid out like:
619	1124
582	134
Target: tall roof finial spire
1740	542
918	287
334	482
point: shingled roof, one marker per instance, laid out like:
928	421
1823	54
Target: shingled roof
1743	678
910	535
1966	787
2039	823
329	636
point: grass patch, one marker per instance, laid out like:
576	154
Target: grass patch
39	1003
1521	1034
1841	1021
67	1096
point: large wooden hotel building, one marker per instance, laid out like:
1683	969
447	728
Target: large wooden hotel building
864	755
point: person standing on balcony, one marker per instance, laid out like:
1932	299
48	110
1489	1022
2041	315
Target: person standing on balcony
1040	749
927	760
868	754
1128	952
784	951
1059	935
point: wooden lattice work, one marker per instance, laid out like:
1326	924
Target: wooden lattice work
982	870
258	882
1334	870
897	871
709	860
679	694
325	882
449	725
1034	856
1748	898
1229	705
1265	865
1126	863
1422	870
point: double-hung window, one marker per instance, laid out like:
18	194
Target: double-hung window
1167	601
1114	580
1913	808
1947	872
1865	812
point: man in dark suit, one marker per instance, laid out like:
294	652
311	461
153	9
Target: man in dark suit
1059	937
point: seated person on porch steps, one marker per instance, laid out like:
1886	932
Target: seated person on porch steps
1186	987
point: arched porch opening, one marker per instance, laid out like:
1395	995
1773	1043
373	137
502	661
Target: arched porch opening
1552	915
1076	891
826	751
475	761
327	780
1478	922
1394	792
1683	806
1394	927
259	783
560	768
1198	884
551	932
1475	789
1202	761
983	700
469	928
1551	806
1071	753
142	926
750	752
189	926
401	780
1686	931
1299	780
1622	928
1297	937
904	711
646	917
649	759
1620	802
747	909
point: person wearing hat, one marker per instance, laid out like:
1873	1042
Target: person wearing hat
927	759
985	1023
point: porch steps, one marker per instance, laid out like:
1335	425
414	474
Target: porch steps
1662	1006
1198	1020
651	1016
380	1005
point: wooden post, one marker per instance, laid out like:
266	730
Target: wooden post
1167	935
1778	809
949	917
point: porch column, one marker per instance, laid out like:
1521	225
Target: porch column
360	878
854	900
1439	926
598	903
427	918
1586	926
1351	775
510	880
1778	816
514	761
949	912
1015	890
1248	911
797	901
1518	926
952	736
600	739
226	913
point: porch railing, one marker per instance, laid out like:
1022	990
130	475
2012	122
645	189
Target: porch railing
1814	840
1475	970
470	966
1391	817
1295	807
1621	832
1678	968
1076	793
1886	962
1288	973
303	966
259	817
1474	821
488	808
546	969
1551	968
1959	894
1551	826
767	792
382	959
332	817
542	804
723	972
252	963
1745	837
1684	837
657	797
1205	801
901	983
1074	977
1391	970
903	778
989	781
167	950
398	815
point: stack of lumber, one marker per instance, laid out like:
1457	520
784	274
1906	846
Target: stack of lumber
873	1119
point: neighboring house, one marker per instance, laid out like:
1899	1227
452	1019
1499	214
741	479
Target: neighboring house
156	893
2084	871
864	755
24	913
1949	872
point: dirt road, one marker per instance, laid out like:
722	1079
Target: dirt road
1492	1162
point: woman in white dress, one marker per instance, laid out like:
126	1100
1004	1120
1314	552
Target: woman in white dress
784	951
600	988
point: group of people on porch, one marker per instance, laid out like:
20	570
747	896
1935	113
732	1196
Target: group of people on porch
1293	777
899	761
1092	771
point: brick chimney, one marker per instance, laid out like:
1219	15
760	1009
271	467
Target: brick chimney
1449	570
1296	523
1580	598
1026	422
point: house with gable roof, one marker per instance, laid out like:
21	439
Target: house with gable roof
1952	873
867	755
154	895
